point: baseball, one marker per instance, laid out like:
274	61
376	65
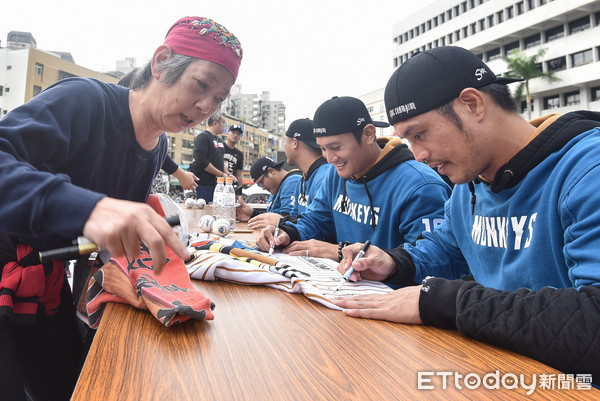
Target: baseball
221	227
200	203
206	223
189	202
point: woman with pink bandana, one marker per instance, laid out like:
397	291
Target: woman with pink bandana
80	158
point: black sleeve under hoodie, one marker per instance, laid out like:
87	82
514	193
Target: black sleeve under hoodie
559	327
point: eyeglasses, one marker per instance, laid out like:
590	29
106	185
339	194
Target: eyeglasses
261	181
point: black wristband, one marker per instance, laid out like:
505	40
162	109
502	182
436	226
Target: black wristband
341	246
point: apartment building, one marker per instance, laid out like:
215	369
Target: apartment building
255	109
25	70
568	29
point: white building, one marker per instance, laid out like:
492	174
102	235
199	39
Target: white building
376	107
568	29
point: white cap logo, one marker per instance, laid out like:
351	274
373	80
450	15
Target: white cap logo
360	121
479	73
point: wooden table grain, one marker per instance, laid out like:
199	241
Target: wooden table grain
266	344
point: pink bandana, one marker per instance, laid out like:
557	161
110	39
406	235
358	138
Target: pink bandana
205	39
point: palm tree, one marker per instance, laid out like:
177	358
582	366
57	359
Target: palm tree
528	68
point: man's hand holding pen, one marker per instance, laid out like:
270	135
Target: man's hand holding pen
268	238
375	264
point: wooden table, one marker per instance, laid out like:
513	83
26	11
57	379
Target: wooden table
266	344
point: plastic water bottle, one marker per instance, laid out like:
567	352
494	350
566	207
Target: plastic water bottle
217	208
229	202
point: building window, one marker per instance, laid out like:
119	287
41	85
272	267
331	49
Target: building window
481	24
579	25
36	90
542	2
1	90
465	31
555	33
500	16
473	28
572	98
595	93
464	6
582	58
457	35
519	6
510	13
557	64
511	46
9	67
442	18
530	4
490	19
493	54
435	21
598	18
551	102
39	69
532	40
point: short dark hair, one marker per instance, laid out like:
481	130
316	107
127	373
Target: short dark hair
358	134
501	96
499	93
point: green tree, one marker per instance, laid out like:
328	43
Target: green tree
528	68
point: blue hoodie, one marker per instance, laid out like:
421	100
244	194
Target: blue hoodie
285	198
394	202
536	225
310	183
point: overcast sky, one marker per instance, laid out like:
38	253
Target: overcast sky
302	52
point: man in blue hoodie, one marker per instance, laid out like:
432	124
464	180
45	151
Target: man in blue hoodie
523	219
377	190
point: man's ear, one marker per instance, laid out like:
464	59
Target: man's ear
369	133
161	54
472	101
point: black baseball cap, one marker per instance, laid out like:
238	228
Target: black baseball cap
433	78
236	127
302	130
340	115
260	167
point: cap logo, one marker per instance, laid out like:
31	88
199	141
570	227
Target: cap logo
360	121
405	108
479	73
319	130
264	168
297	134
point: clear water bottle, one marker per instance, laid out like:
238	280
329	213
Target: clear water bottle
217	206
229	202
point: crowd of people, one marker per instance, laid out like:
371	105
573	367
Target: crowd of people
509	254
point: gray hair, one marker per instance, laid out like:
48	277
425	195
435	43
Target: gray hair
174	67
216	117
